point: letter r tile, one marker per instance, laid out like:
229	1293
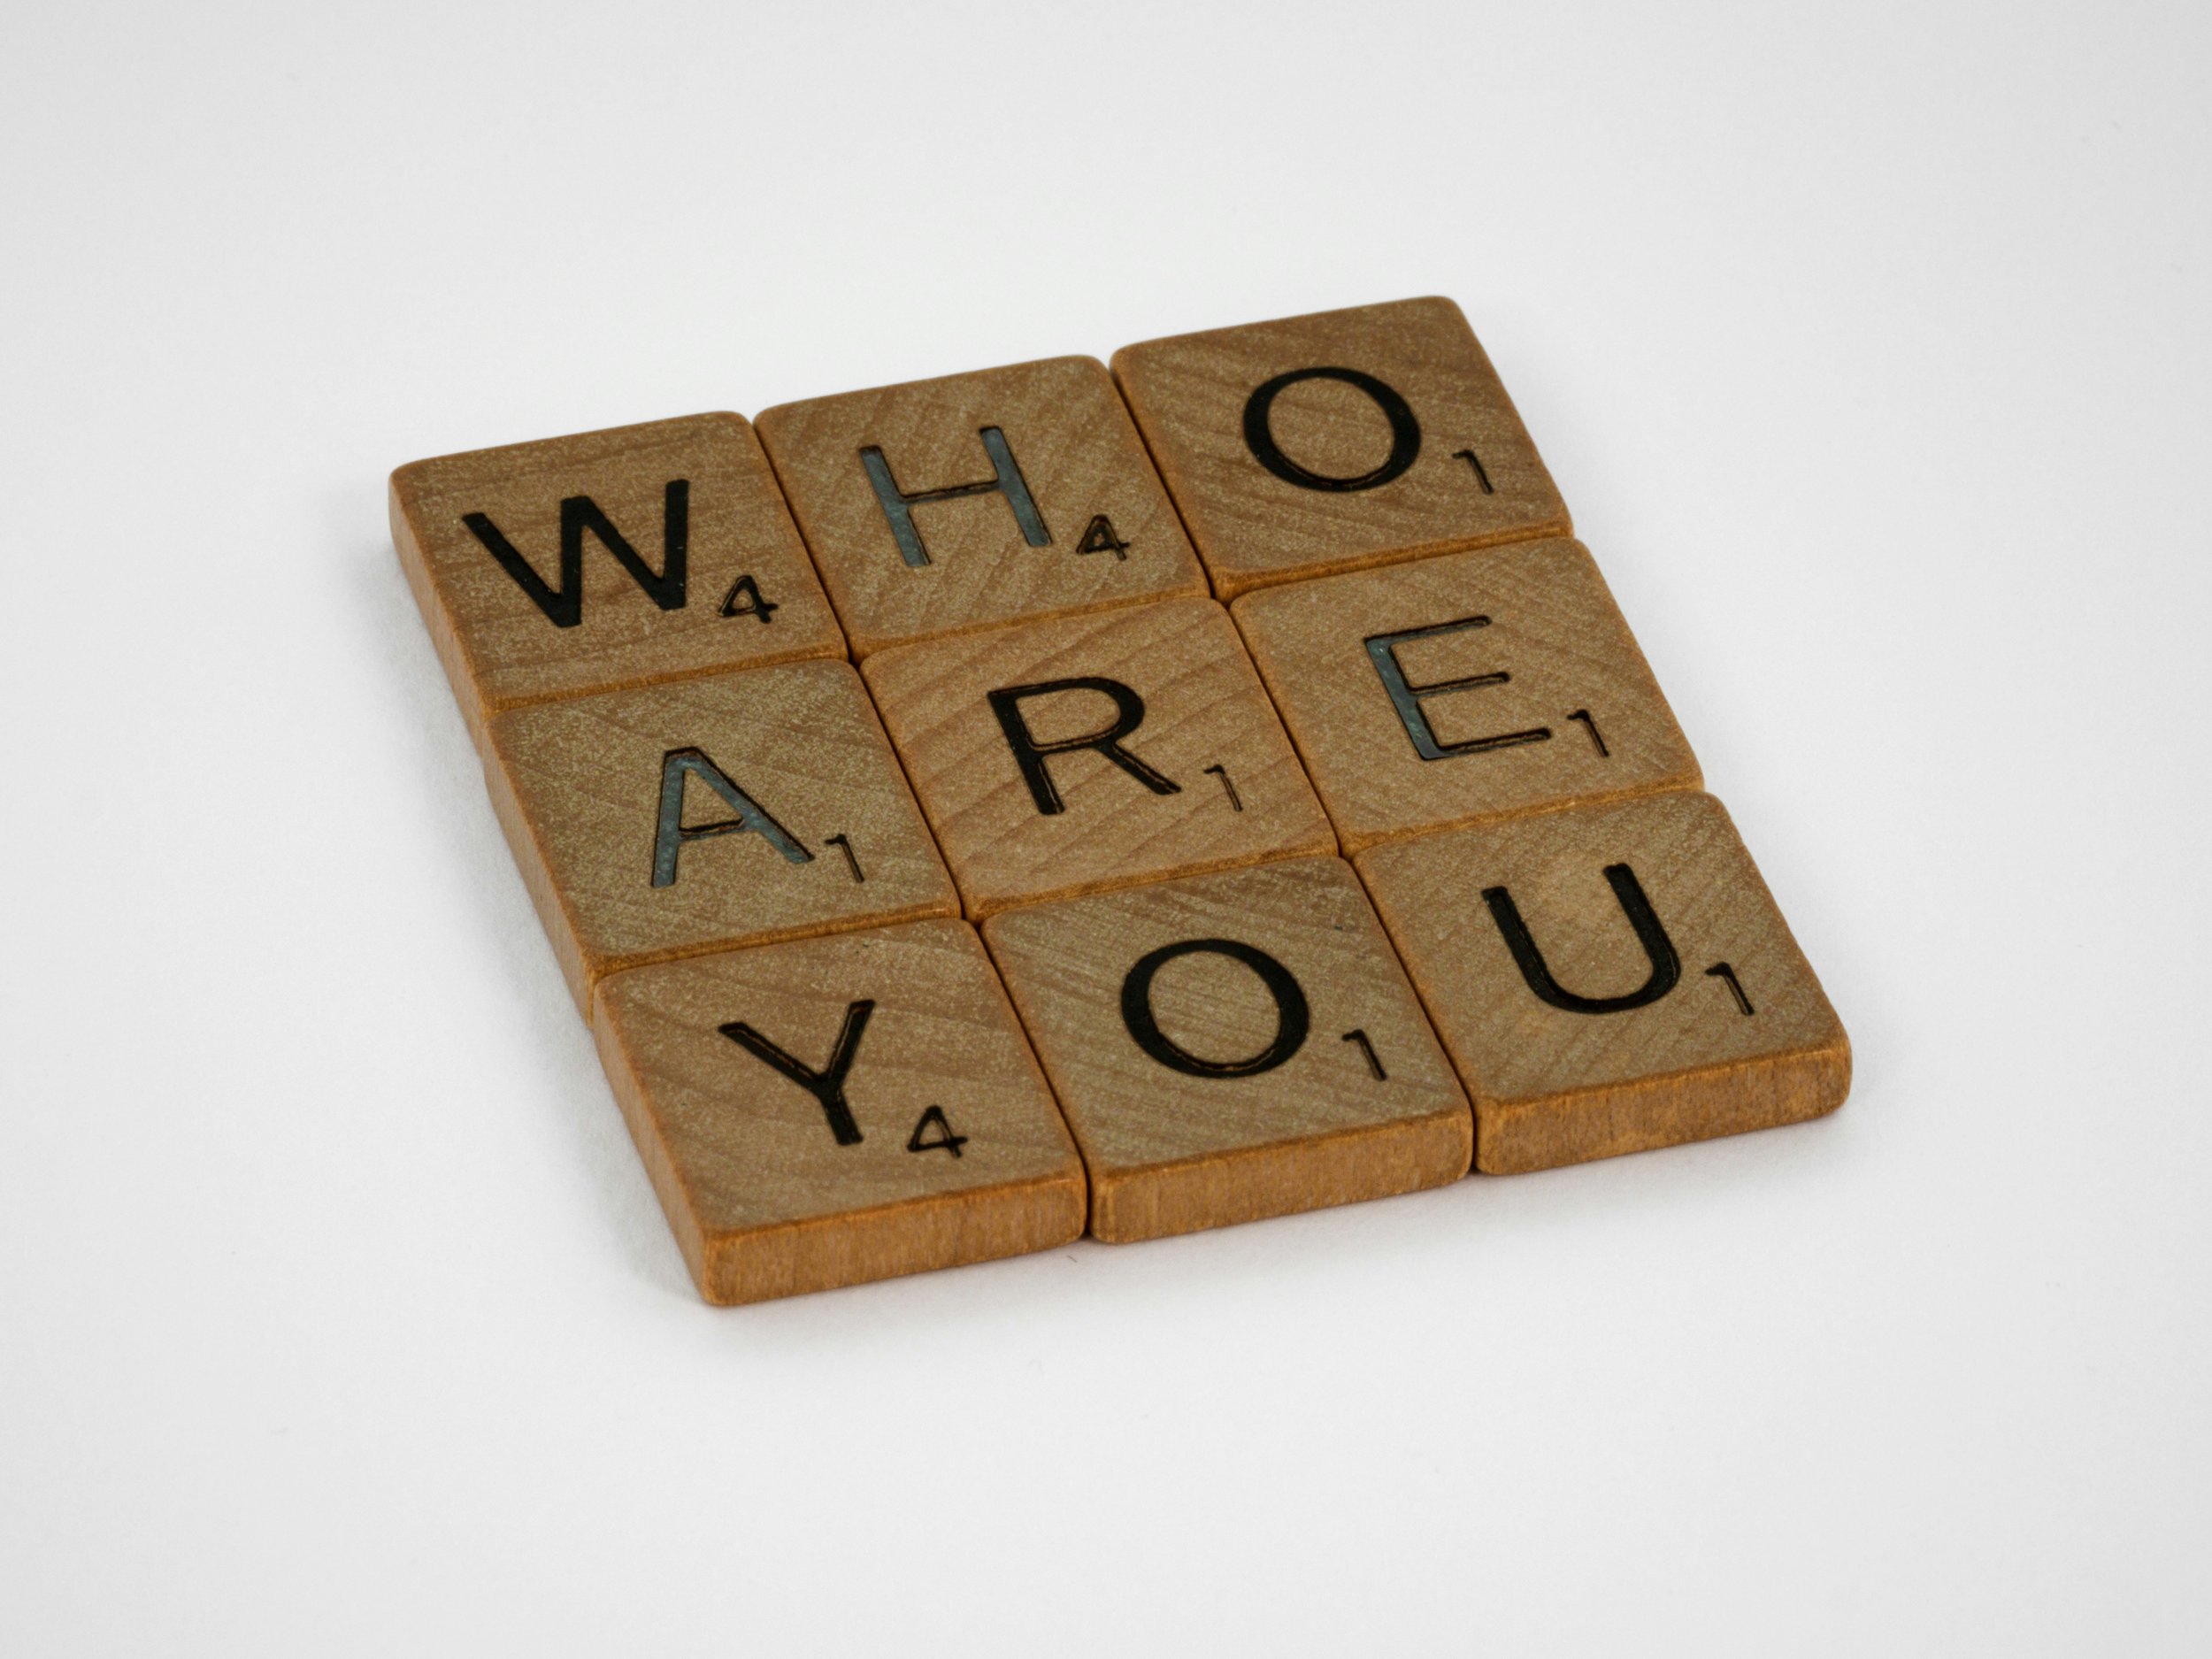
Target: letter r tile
1453	690
1610	979
1325	443
838	1109
1234	1046
1061	757
704	814
607	559
977	499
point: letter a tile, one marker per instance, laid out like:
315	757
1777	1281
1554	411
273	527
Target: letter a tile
1330	442
608	559
1061	757
1233	1047
1609	979
1453	690
709	813
837	1109
978	499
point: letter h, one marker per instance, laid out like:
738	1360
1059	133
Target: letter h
898	505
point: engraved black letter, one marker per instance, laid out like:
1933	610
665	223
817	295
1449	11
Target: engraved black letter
564	605
1666	967
1292	1017
1029	754
670	838
1407	699
898	505
1259	437
827	1085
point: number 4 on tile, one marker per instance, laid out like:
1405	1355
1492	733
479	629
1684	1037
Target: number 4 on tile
744	599
1099	537
946	1142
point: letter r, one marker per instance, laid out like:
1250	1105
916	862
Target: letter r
1030	753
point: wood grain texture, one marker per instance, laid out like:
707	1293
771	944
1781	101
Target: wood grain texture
1559	688
1077	454
764	1195
500	647
579	786
1555	1085
1254	526
1225	787
1171	1150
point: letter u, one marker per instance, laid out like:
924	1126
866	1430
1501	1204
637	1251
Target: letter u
1666	967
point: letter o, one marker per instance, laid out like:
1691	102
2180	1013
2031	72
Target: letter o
1293	1019
1259	436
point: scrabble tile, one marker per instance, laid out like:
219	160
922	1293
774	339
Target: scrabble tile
705	814
607	559
838	1109
1610	979
977	499
1458	689
1334	442
1231	1046
1060	757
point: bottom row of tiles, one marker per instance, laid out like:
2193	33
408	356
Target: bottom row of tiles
1218	1049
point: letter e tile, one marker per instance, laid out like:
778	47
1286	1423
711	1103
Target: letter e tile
1462	688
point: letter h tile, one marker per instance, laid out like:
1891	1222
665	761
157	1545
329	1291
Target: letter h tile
979	499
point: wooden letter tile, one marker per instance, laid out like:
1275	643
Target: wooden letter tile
1330	442
1610	979
1060	757
837	1109
1453	690
1233	1047
978	499
608	559
708	813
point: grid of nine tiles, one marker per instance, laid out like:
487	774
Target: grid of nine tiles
1135	800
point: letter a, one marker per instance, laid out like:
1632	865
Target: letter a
670	837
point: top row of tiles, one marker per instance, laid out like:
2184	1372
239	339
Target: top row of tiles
967	501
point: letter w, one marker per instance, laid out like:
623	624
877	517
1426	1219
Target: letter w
563	605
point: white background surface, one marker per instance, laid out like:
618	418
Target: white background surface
1870	346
